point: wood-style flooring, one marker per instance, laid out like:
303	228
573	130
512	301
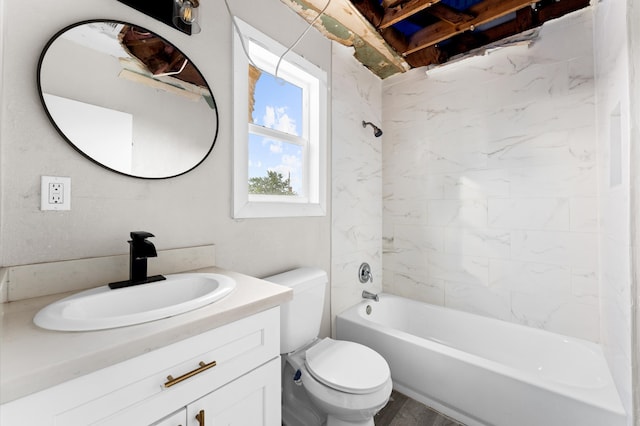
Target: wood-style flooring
404	411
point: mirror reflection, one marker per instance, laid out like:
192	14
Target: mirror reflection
127	99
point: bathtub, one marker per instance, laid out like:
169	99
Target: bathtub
482	371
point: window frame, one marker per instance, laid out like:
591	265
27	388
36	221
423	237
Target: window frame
293	69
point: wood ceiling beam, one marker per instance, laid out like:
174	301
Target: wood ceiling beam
557	9
394	38
526	19
393	15
392	3
366	26
429	56
485	11
342	23
371	10
467	41
450	15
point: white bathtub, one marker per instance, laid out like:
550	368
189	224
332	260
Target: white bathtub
482	371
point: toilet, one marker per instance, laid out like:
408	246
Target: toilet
324	381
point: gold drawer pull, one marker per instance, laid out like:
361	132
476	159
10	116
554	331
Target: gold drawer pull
200	418
171	381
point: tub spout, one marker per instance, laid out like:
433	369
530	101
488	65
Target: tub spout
369	295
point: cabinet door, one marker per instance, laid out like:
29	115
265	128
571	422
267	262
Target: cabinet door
179	418
251	400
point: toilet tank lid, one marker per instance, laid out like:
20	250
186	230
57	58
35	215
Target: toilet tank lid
299	279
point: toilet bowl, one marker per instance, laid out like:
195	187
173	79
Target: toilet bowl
324	381
348	381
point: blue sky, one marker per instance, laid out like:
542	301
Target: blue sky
278	105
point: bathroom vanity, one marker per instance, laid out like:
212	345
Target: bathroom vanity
218	364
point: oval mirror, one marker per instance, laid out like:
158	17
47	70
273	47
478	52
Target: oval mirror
127	99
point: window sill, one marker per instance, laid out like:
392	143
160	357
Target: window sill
250	210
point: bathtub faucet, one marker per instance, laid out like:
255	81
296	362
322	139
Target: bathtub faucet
369	295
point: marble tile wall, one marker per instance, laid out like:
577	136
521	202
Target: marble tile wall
356	234
633	16
614	180
490	183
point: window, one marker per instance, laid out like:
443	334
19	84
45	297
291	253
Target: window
280	154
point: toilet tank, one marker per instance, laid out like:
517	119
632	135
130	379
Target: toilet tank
300	318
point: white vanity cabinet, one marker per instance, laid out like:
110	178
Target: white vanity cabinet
179	418
242	402
229	375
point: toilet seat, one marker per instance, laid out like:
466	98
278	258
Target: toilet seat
347	366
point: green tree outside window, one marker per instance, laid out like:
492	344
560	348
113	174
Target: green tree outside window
272	184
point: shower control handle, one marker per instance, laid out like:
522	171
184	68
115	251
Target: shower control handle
364	273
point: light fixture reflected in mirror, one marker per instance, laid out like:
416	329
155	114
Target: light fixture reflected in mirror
185	12
181	15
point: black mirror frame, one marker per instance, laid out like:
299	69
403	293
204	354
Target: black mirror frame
55	125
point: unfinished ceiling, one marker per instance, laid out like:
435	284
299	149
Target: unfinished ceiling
392	36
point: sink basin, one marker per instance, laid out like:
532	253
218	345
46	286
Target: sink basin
101	308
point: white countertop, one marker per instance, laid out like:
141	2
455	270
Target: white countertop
33	359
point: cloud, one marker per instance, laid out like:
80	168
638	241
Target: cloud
275	146
294	162
269	117
278	119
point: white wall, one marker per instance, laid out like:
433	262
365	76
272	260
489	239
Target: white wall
2	79
489	183
614	151
189	210
633	16
357	179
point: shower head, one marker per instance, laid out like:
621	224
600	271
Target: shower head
376	130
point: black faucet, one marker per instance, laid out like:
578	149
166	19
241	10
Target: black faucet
139	250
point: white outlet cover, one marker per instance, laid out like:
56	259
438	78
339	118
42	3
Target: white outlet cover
44	193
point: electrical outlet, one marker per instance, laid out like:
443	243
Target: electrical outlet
55	193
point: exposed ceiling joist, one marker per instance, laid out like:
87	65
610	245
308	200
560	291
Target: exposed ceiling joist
343	23
415	33
449	15
393	15
484	12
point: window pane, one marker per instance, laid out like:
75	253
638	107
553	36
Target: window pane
277	104
275	166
